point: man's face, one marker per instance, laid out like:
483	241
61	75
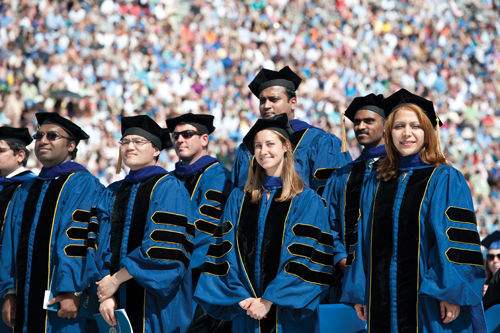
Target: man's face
274	101
369	128
189	144
55	151
9	161
138	152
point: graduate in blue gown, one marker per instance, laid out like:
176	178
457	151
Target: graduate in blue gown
13	173
45	231
350	190
425	264
144	237
208	184
272	263
316	152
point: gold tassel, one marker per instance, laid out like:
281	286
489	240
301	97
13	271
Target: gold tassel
119	162
438	136
343	133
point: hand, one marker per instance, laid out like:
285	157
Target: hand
107	310
360	311
342	264
449	312
107	287
68	305
259	308
244	304
9	310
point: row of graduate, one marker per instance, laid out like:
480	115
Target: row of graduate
394	232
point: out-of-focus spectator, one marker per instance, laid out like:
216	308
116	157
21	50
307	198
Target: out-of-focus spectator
165	57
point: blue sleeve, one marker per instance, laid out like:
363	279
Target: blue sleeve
10	238
220	288
325	155
211	196
305	272
73	217
239	172
162	259
453	268
334	198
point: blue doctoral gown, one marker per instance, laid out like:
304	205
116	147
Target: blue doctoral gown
316	154
44	244
423	248
145	225
8	187
349	195
280	251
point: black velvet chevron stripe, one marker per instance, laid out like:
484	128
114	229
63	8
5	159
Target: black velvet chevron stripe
80	215
164	253
352	209
39	277
408	250
310	231
309	275
219	250
215	269
168	236
76	251
169	218
323	174
5	196
92	230
215	196
211	211
307	251
462	215
381	252
246	235
223	229
134	291
206	226
465	257
22	250
463	236
77	233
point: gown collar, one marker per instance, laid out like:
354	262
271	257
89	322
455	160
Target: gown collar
411	161
272	183
61	169
136	176
369	153
299	125
184	170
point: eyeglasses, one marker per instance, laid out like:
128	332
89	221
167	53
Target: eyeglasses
185	134
136	142
492	256
51	136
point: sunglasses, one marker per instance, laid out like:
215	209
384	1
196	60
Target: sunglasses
492	256
51	136
185	134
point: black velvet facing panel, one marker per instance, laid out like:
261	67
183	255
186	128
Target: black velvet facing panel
135	293
307	251
117	222
22	254
323	174
5	196
39	277
305	273
352	209
381	252
215	269
408	250
172	237
464	257
461	215
296	137
463	236
219	250
310	231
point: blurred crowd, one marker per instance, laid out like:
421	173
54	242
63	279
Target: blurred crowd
95	61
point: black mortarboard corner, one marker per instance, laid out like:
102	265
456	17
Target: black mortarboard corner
266	78
205	120
403	96
492	241
20	135
146	127
277	123
371	102
73	129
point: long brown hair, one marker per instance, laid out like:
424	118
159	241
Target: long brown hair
429	153
292	184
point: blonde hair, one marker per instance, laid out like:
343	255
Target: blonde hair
429	153
292	184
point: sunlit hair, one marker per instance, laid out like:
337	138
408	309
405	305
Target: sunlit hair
292	184
429	153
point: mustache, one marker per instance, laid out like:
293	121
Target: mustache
361	132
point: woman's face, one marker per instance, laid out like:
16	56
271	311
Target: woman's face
269	152
493	257
407	134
